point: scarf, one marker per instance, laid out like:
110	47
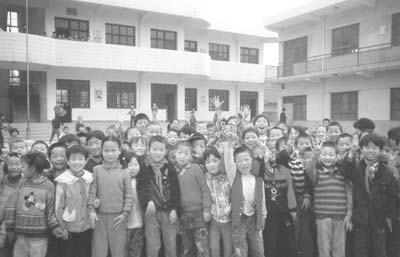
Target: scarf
370	171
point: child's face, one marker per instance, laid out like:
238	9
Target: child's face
387	153
250	139
83	141
66	130
201	128
14	133
94	147
42	148
142	123
184	137
333	133
370	151
328	156
283	127
293	134
14	166
19	147
344	144
28	172
244	162
183	155
139	148
133	167
175	124
199	146
321	132
212	164
261	125
58	158
76	163
158	151
110	151
134	132
275	134
172	138
303	143
154	130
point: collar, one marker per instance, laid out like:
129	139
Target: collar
109	166
68	178
96	159
154	164
182	169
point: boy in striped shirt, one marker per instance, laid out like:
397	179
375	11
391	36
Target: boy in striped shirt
332	201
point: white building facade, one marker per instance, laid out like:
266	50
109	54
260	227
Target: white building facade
100	57
340	59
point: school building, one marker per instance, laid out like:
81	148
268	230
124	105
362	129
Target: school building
99	57
339	59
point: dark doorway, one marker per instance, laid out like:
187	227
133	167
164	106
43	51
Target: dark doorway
250	99
164	95
19	103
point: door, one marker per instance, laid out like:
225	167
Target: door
171	107
164	95
19	103
250	99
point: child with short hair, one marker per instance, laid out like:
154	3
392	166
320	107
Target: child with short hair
139	147
333	130
141	121
69	140
82	138
93	142
18	146
159	195
40	146
132	132
201	127
195	203
261	123
112	187
198	143
72	191
185	133
30	212
14	134
153	129
172	137
58	160
13	171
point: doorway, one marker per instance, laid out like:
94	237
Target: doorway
164	95
251	99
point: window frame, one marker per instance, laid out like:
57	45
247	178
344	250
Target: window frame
299	49
223	96
163	39
394	110
189	48
245	52
9	26
115	91
218	55
395	39
119	35
190	99
74	89
299	103
342	115
353	46
72	30
14	78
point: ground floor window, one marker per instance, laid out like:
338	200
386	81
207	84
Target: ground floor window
190	99
121	94
223	96
344	106
395	104
251	99
299	106
76	93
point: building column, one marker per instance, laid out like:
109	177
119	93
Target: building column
180	100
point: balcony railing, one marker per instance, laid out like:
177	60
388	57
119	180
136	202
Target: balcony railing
368	58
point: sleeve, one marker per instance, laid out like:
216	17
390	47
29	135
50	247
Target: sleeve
308	186
175	191
60	203
128	195
348	166
52	222
389	209
205	192
10	211
291	197
264	211
230	165
143	187
311	168
93	191
349	198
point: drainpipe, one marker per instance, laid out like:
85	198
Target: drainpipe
323	25
28	100
138	30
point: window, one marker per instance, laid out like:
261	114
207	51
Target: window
395	104
121	94
163	39
223	96
294	51
396	29
190	46
120	34
71	28
344	106
14	78
249	55
345	39
12	21
74	92
190	99
219	52
299	106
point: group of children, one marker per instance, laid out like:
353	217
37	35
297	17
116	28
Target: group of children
224	188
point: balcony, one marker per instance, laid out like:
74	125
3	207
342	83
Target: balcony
45	51
365	59
240	72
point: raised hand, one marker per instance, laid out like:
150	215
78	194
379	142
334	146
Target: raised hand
217	102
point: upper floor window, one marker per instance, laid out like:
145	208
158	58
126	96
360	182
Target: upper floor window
163	39
121	94
249	55
344	106
190	99
223	97
297	105
294	51
396	29
12	21
120	34
219	52
345	39
72	28
395	104
14	78
190	46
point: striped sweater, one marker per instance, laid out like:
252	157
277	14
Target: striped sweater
297	171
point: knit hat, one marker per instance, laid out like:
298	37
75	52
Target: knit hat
364	124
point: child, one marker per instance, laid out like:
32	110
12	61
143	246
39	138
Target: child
195	203
344	145
14	134
248	202
374	195
55	128
40	146
132	132
112	187
141	121
65	131
332	201
79	125
18	146
334	129
274	134
261	123
93	142
58	160
172	137
185	133
134	233
198	143
69	140
30	213
82	138
139	147
201	127
5	193
320	134
13	171
220	190
153	129
71	203
159	195
250	138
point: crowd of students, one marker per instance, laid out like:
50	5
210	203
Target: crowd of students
222	188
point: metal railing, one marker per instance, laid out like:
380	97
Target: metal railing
343	60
